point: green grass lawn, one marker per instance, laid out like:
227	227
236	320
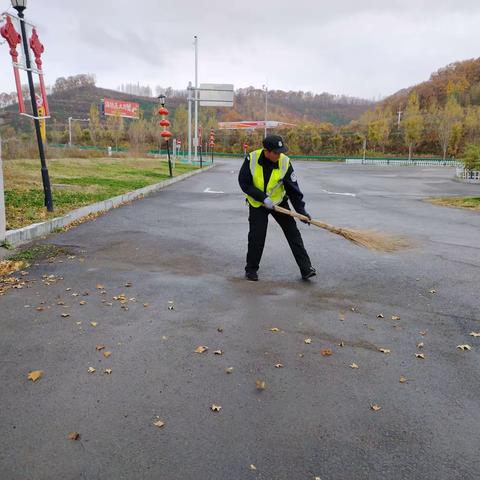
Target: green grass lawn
75	182
470	203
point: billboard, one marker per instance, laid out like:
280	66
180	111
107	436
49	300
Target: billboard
216	95
245	125
118	107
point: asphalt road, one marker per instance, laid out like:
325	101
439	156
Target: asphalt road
314	418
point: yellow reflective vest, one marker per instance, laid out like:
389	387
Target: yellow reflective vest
275	189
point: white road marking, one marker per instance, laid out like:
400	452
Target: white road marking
207	190
339	193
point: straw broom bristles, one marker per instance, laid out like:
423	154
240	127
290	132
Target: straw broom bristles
365	238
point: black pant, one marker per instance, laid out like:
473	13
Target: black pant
258	220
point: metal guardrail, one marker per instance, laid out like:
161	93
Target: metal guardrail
436	162
468	176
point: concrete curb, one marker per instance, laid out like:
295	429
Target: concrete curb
31	232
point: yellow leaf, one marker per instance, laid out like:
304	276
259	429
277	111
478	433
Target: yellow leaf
35	375
308	341
159	423
82	302
464	347
73	436
375	407
201	349
384	350
108	371
107	354
354	365
93	324
215	408
279	365
100	287
260	384
326	352
420	355
475	334
403	380
274	329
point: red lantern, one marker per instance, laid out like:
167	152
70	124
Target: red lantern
164	123
163	111
166	134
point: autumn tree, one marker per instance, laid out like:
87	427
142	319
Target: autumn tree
412	123
115	127
94	124
449	121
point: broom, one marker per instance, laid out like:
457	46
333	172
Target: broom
365	238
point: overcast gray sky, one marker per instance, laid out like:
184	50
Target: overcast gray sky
353	47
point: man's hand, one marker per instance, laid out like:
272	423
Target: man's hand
306	214
267	203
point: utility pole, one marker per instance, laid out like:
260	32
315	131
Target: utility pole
70	127
399	113
3	223
195	141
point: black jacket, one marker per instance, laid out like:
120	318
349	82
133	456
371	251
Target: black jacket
290	183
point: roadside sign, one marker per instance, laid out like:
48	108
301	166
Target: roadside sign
216	95
114	107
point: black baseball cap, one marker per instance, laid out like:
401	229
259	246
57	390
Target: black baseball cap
274	143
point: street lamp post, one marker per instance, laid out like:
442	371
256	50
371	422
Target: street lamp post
265	88
20	6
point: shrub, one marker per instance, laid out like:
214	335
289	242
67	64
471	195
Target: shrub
471	157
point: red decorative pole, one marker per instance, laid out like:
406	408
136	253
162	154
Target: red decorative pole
163	112
212	142
38	48
13	38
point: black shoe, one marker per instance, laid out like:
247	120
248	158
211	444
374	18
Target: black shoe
311	272
252	276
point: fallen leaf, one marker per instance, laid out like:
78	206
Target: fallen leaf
128	284
107	354
475	334
279	365
91	370
100	287
35	375
99	347
78	323
145	305
395	318
375	407
171	305
201	349
93	324
159	423
464	347
260	385
229	370
108	371
65	315
380	315
253	467
432	291
308	341
73	436
82	302
420	355
218	352
341	317
301	355
341	344
274	329
326	352
420	345
60	303
423	333
384	350
220	330
215	408
403	380
354	365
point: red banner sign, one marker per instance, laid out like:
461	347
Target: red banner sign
118	107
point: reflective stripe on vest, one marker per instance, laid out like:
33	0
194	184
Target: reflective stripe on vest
276	190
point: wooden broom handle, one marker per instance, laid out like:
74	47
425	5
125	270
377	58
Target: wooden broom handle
317	223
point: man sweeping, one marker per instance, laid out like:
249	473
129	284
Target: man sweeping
267	178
